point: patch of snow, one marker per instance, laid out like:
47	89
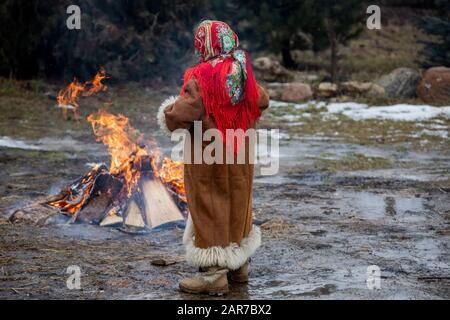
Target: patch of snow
432	126
345	107
399	112
294	124
360	111
298	106
438	133
290	117
275	104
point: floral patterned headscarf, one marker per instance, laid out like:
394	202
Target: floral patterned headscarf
214	38
224	75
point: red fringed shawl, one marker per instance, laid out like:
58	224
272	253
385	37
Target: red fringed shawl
227	85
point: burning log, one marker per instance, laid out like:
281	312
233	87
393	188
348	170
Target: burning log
72	199
101	198
105	190
134	191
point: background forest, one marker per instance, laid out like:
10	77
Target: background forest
144	39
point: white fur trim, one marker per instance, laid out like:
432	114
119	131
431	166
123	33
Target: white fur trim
232	257
162	117
189	232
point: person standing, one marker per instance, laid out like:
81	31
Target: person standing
220	92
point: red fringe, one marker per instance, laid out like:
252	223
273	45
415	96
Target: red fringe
217	102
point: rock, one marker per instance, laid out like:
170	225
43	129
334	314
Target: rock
296	92
400	83
274	94
270	70
355	88
277	226
435	85
33	214
163	262
290	92
327	89
275	90
376	91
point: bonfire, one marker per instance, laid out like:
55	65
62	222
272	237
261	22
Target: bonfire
138	189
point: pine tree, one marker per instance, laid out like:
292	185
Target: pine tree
340	21
285	25
437	53
273	25
133	40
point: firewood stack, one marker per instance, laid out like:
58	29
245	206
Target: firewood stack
100	197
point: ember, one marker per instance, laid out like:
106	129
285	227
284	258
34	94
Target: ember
137	190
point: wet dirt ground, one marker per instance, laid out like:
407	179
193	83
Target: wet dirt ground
325	219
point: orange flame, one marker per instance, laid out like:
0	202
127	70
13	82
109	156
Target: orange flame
172	172
96	84
68	98
72	203
122	141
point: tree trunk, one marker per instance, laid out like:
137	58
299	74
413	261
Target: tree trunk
332	39
333	60
288	61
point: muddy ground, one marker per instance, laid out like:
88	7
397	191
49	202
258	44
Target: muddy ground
342	201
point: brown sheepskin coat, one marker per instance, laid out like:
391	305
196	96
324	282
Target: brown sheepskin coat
219	231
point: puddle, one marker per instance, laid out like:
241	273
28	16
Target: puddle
305	152
370	205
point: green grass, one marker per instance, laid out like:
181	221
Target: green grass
9	87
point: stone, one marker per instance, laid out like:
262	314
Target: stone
327	89
376	91
33	214
289	92
355	87
296	92
275	90
401	83
271	70
435	85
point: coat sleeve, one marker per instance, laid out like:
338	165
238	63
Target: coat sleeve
181	112
263	100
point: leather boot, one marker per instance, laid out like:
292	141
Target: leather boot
214	281
240	275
